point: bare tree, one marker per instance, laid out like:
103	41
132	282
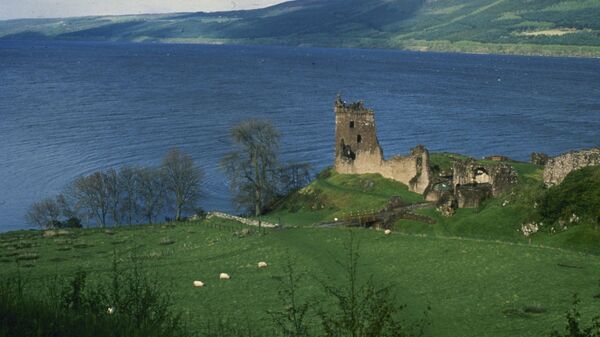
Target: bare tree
113	193
294	177
91	194
252	166
150	192
128	181
182	180
45	213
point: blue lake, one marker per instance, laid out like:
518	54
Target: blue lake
68	109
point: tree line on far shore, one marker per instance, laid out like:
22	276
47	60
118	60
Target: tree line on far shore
141	194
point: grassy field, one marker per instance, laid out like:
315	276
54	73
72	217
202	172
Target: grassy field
475	287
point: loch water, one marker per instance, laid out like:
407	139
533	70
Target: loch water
71	108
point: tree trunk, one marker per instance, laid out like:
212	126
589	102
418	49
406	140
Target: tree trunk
178	213
257	208
258	195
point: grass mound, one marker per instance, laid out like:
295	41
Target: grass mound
333	195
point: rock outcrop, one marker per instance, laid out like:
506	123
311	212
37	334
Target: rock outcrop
539	158
557	168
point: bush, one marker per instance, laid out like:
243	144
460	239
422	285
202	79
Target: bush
325	174
360	309
363	309
130	306
72	222
578	194
574	327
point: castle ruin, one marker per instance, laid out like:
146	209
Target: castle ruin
357	149
557	168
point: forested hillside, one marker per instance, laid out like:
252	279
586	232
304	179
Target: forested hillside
547	27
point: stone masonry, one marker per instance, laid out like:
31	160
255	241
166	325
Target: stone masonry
557	168
357	149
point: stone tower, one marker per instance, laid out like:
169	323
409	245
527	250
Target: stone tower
357	149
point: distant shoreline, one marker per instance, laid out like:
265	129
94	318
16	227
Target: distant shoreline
442	46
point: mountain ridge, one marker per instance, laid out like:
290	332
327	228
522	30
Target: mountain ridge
544	27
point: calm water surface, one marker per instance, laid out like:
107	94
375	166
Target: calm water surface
68	109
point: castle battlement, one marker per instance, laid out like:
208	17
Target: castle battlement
351	108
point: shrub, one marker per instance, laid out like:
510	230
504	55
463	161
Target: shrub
131	306
72	222
578	194
363	309
574	327
326	173
291	320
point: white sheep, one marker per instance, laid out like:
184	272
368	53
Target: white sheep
262	264
110	310
198	284
224	276
387	232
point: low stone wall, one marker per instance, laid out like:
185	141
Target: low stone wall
245	221
557	168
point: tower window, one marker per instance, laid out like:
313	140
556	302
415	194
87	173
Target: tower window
351	124
359	139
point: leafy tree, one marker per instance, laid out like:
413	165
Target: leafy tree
252	167
182	180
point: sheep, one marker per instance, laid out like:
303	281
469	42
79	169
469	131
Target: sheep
262	264
198	284
224	276
387	232
110	310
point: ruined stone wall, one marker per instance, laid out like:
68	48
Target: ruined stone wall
471	196
358	150
500	176
557	168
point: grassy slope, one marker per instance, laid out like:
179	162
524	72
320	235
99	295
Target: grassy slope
476	288
478	26
336	195
343	194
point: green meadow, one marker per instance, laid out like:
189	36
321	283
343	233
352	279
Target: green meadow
474	287
476	270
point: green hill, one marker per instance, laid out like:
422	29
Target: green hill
544	27
333	195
